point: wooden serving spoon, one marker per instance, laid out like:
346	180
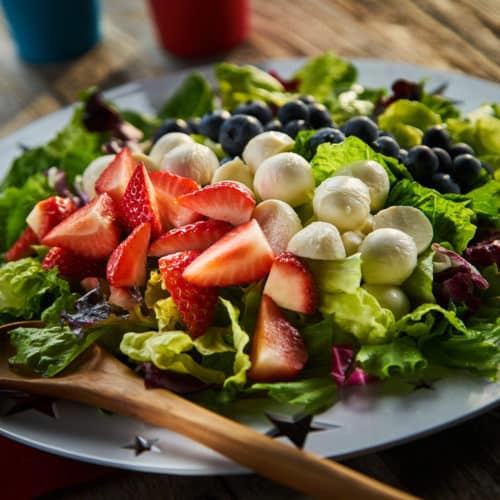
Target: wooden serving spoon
99	379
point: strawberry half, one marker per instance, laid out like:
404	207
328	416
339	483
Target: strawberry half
46	214
22	246
92	231
226	200
127	264
278	351
196	304
241	256
196	236
139	204
291	284
72	266
115	177
168	187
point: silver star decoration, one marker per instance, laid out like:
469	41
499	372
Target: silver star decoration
142	444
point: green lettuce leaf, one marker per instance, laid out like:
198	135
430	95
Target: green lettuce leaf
29	292
193	98
15	205
418	286
47	351
407	121
238	84
441	105
485	201
451	220
334	276
399	358
71	150
331	157
167	314
361	315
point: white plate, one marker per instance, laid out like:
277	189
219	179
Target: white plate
366	419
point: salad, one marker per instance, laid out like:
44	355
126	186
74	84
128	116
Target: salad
263	239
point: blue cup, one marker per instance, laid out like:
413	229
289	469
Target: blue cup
50	31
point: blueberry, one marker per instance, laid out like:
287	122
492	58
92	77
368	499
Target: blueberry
362	127
444	158
437	137
384	133
259	109
466	170
444	183
422	163
211	123
307	99
275	125
387	146
236	131
488	169
331	135
460	148
403	156
194	124
171	125
319	116
294	127
293	110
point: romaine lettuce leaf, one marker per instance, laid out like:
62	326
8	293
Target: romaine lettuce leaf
485	201
29	292
418	286
451	220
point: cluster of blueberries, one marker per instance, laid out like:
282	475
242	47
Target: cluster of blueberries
437	163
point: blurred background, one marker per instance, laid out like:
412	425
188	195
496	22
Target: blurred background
462	35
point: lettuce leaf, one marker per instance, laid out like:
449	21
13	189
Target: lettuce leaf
47	351
361	315
418	286
193	98
29	292
331	157
485	201
407	121
15	205
71	150
451	220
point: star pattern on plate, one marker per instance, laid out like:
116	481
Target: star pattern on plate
295	427
142	444
12	402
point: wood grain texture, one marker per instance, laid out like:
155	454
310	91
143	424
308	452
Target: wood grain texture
462	35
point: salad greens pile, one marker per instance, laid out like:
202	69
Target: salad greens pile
454	321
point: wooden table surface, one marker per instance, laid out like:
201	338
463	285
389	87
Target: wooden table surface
462	35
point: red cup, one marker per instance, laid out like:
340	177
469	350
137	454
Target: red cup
197	28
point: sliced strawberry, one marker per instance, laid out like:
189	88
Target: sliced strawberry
121	297
226	200
127	264
196	236
168	187
139	204
240	256
46	214
22	246
196	304
115	177
291	284
71	265
278	352
92	231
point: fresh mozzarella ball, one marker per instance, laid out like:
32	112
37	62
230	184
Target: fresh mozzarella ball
343	201
318	240
192	160
285	176
388	257
374	176
150	165
234	170
166	143
92	173
391	297
367	226
352	241
278	221
410	220
265	145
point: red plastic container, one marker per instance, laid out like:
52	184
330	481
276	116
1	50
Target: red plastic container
198	28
